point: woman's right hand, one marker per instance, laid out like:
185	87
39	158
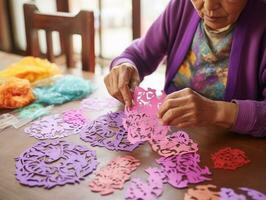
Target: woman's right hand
121	80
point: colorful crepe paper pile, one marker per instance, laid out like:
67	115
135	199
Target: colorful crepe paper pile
31	69
64	89
15	93
37	79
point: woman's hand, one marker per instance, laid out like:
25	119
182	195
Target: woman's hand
187	108
120	80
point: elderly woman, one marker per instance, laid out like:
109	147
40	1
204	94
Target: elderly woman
216	64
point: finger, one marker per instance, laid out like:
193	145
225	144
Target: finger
126	95
170	104
172	114
133	84
114	88
135	80
123	81
185	125
108	84
182	119
180	93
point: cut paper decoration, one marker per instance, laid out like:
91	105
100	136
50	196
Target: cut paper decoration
31	68
75	117
254	194
65	89
114	175
182	170
107	131
212	192
177	143
142	127
141	121
98	104
229	158
149	190
203	192
138	189
48	164
15	93
156	175
229	194
147	101
58	125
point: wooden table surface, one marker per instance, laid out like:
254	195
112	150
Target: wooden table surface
210	139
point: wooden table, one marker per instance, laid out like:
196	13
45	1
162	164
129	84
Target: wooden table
210	139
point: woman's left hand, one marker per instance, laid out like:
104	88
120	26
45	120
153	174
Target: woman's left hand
187	108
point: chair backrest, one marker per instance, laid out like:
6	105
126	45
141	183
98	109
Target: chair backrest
67	25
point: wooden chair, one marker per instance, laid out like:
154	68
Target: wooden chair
67	25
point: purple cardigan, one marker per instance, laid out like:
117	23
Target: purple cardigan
171	35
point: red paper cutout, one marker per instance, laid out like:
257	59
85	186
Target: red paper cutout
228	158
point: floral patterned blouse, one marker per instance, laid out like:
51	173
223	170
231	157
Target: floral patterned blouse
206	65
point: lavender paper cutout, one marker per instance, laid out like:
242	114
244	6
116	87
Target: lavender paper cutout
57	126
138	189
182	170
48	164
147	190
108	131
229	194
254	194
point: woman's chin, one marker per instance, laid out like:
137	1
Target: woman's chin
215	26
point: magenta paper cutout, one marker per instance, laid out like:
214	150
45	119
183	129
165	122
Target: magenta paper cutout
141	121
157	175
177	143
254	194
57	126
184	169
229	194
75	117
141	127
98	104
138	189
114	175
229	158
203	192
108	131
147	101
53	163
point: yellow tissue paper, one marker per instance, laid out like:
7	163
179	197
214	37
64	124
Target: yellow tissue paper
31	68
